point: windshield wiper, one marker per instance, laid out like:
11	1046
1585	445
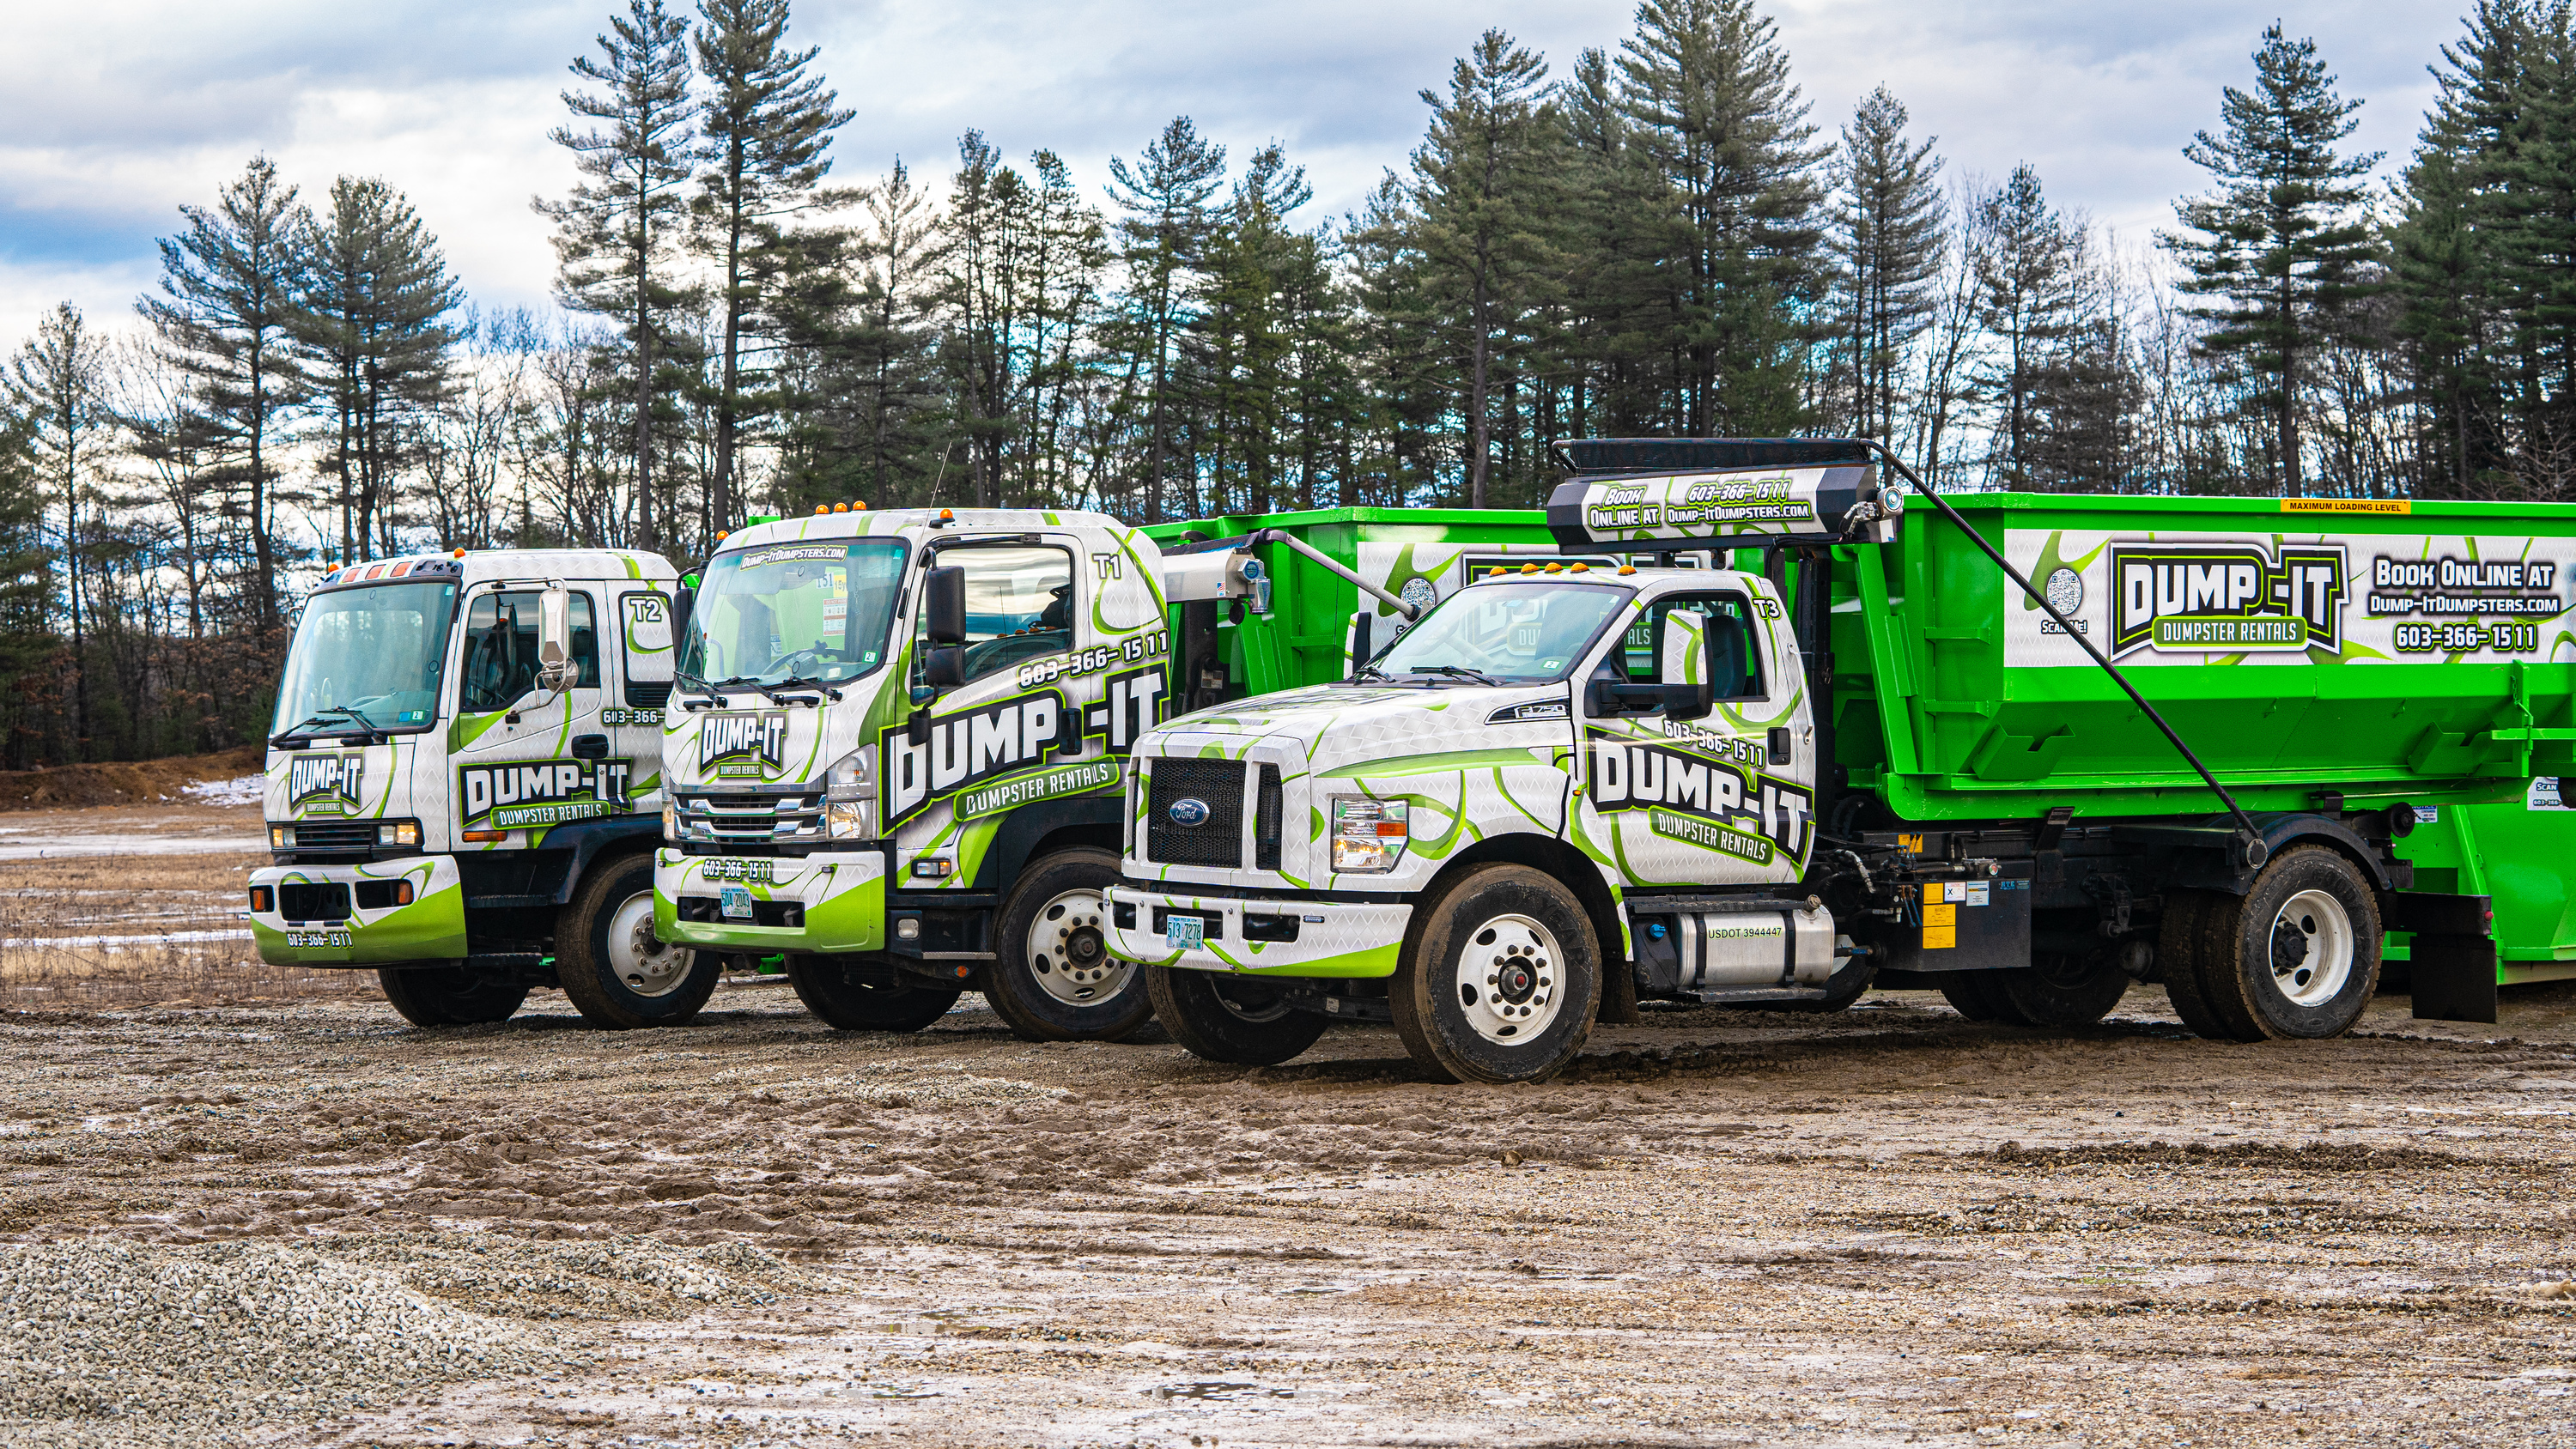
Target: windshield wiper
326	715
1456	671
1367	671
745	681
808	681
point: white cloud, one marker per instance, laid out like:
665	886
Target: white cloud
122	110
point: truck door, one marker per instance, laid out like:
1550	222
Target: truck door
514	754
640	656
1029	663
1718	800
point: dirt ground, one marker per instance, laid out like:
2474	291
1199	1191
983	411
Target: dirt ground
1891	1226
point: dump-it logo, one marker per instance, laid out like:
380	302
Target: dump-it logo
541	792
325	780
747	737
970	747
2226	598
1628	775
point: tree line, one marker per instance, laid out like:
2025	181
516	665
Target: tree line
1659	237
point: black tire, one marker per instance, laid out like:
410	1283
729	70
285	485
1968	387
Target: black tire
2298	956
831	987
1053	978
607	959
450	995
2178	963
1241	1020
2061	990
1972	994
1848	984
1470	964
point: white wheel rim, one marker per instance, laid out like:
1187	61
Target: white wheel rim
1068	951
637	957
1510	979
2312	948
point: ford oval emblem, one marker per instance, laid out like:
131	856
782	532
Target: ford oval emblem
1188	812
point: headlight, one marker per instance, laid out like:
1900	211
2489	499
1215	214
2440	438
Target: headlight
1368	835
281	837
849	795
398	832
671	820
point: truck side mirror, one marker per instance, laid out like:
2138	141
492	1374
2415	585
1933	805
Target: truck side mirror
556	669
684	603
943	666
944	604
1359	650
1687	701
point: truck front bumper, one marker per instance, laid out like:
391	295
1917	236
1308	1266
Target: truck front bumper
1333	938
373	930
827	902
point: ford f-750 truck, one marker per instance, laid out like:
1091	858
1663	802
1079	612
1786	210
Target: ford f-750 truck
2027	749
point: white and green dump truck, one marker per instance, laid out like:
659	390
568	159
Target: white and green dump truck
2027	749
897	746
464	785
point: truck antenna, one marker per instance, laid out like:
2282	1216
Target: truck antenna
2256	851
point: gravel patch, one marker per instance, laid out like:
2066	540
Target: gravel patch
107	1343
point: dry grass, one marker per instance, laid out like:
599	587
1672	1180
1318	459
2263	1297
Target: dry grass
79	928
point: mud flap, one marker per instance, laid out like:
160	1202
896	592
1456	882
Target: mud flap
2452	960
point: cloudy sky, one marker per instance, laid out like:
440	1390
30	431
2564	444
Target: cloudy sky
120	111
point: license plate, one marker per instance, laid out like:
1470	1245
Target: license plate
1184	933
327	940
736	902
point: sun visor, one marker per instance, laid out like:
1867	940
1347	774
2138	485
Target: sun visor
1784	502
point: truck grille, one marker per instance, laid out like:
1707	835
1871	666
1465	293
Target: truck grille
334	834
1218	841
1265	821
751	819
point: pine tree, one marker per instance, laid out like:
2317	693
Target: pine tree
1708	86
374	333
1891	234
2027	269
26	588
231	290
1488	174
1162	241
2283	240
768	126
57	387
1621	233
615	234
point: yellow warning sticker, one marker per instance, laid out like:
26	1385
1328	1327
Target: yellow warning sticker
2347	505
1941	915
1910	842
1932	891
1940	938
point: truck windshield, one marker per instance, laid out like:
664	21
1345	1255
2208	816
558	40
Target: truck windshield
366	658
1516	633
793	612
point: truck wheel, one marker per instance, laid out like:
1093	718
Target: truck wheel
1054	979
2178	963
2298	956
450	995
1243	1020
613	967
831	989
1503	981
1973	995
2060	990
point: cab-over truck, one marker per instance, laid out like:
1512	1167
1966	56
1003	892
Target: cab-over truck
464	785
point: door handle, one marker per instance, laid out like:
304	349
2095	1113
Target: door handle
590	747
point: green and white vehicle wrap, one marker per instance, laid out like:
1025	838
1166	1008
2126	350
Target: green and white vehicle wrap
1870	742
466	755
907	812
